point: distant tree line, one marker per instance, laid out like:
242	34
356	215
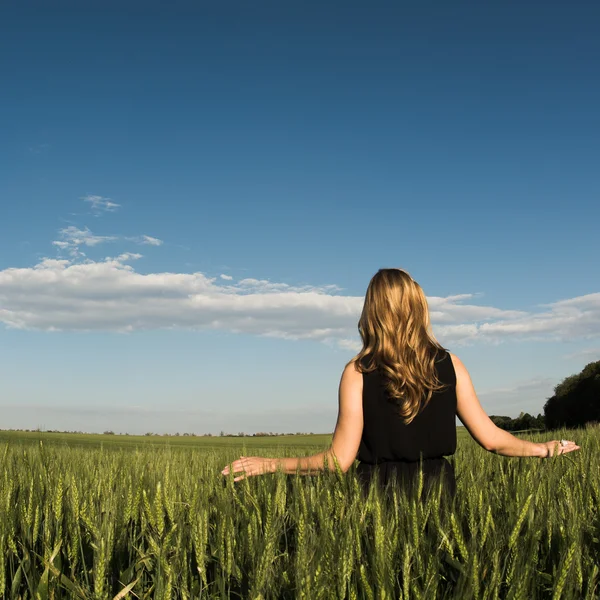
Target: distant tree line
576	402
153	434
522	422
261	434
576	399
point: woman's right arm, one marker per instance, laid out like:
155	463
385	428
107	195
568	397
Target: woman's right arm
483	429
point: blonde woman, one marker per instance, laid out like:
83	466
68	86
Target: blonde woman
398	399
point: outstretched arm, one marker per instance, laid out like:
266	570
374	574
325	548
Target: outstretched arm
344	445
484	430
347	434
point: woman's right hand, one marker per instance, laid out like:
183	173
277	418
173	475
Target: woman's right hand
554	447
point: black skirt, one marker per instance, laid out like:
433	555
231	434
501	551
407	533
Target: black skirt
406	475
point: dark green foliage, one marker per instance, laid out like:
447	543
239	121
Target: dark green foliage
521	423
576	399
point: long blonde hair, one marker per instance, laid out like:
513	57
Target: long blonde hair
397	340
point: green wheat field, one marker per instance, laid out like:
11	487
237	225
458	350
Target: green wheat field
103	516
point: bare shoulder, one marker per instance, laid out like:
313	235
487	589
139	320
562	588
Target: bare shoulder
351	388
463	377
455	359
459	367
351	372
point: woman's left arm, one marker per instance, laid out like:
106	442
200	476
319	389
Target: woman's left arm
344	445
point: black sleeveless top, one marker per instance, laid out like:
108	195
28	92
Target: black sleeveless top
432	433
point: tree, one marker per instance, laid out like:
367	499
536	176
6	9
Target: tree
524	421
576	399
501	421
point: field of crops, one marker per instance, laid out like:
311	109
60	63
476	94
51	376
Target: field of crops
159	521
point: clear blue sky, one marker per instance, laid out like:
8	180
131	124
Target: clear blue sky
195	196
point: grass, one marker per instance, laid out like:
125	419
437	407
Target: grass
114	518
141	441
319	440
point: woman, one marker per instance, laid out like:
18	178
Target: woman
398	399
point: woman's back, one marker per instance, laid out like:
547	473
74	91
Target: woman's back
389	446
433	431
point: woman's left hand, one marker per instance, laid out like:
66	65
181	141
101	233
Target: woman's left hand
249	465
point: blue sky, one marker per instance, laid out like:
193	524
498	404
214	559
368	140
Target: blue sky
195	196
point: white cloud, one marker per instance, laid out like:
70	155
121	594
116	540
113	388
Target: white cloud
347	344
152	241
61	294
226	277
145	240
100	204
266	286
83	237
124	257
61	244
71	238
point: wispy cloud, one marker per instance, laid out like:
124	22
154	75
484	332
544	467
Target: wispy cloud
585	354
100	205
125	257
145	240
226	277
63	294
71	239
570	319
